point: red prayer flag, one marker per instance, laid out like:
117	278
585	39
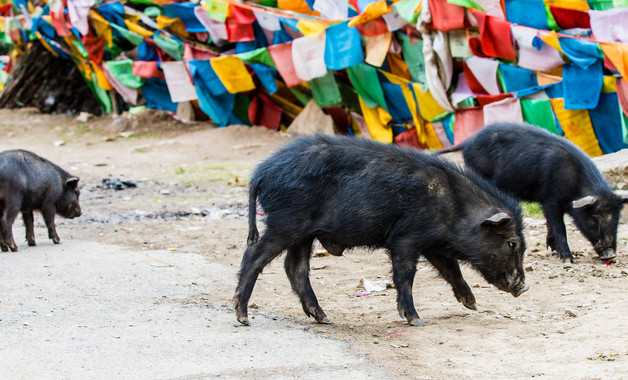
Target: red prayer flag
570	18
468	122
495	36
446	16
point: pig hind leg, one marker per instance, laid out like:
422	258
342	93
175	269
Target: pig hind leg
450	270
256	257
3	245
297	266
30	228
404	269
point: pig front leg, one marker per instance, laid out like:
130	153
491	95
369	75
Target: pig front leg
297	266
7	217
404	269
49	218
27	216
557	233
450	270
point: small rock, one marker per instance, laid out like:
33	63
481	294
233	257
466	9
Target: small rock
165	192
570	313
59	143
254	306
529	268
560	331
83	117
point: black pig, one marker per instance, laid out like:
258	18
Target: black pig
535	165
27	183
349	192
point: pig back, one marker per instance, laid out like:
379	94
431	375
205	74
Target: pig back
30	178
364	190
527	162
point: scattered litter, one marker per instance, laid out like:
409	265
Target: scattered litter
565	293
172	249
362	294
320	267
376	285
609	262
321	254
396	334
117	184
59	143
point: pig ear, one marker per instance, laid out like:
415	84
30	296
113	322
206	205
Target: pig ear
496	220
623	194
585	202
72	182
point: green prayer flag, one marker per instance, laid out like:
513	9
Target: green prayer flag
170	46
406	8
413	55
539	112
325	91
217	10
241	107
551	21
466	4
122	70
366	83
301	97
101	94
80	48
624	126
133	37
260	55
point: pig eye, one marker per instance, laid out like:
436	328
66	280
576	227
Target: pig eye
512	245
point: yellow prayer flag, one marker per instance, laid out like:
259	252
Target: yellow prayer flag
102	80
175	24
298	6
311	28
426	135
370	13
377	48
546	79
617	53
576	125
377	121
102	27
578	5
428	106
551	39
609	84
133	27
232	73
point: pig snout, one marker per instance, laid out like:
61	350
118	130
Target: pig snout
516	283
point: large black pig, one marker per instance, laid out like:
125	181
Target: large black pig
349	192
535	165
29	182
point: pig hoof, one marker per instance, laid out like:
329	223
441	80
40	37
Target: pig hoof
567	260
31	243
56	241
608	255
416	322
4	248
13	248
244	321
324	321
472	307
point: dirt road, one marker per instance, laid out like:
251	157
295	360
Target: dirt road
188	213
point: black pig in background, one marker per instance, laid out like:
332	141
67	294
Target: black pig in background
535	165
349	192
29	182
